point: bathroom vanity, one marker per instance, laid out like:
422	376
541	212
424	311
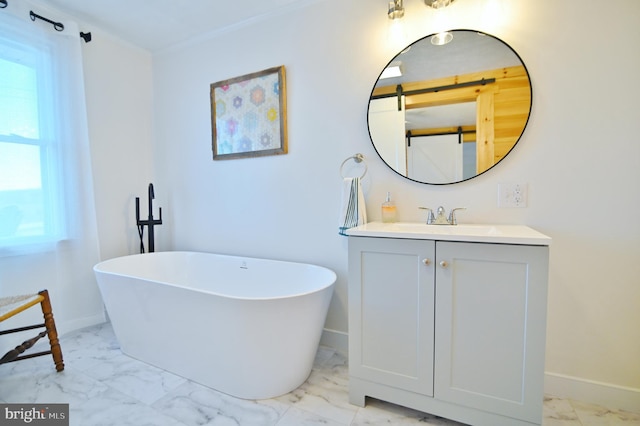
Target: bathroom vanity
449	320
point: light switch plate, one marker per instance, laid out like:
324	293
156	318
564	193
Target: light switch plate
512	195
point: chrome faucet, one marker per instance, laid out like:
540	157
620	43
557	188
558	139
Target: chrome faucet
440	217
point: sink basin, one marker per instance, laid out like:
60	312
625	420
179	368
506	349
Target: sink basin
446	229
488	233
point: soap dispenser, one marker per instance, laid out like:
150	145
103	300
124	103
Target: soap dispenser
388	210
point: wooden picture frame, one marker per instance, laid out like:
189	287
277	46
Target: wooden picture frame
249	115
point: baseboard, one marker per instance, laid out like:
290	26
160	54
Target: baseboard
605	394
560	385
338	340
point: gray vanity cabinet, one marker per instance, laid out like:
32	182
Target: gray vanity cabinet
456	329
391	313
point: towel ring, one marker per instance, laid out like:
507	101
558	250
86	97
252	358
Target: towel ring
358	158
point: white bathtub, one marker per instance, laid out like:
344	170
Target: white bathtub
246	327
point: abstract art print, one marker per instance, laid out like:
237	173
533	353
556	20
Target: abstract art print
248	115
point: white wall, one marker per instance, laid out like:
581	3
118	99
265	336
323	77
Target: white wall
580	156
118	85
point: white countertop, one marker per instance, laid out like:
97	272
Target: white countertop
502	234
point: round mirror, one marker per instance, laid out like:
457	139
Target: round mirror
449	107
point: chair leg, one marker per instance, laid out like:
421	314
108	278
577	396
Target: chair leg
50	324
13	354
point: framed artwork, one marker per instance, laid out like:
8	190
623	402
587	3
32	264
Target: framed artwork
249	115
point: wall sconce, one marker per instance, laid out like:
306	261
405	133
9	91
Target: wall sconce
492	11
396	9
437	4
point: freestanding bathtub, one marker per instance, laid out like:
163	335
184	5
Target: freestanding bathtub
244	326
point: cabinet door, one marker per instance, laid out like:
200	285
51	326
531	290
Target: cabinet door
391	312
490	327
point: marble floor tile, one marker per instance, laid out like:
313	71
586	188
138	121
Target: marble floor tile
48	386
559	412
106	388
297	417
135	378
323	356
41	366
90	347
383	413
593	415
194	404
113	408
325	393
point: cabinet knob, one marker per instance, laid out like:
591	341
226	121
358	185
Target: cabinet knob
426	261
444	264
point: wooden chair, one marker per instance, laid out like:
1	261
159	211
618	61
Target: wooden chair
10	306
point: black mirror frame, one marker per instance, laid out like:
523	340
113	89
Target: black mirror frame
506	154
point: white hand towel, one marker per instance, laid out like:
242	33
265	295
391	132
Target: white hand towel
354	212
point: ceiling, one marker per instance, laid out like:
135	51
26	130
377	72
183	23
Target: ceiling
158	24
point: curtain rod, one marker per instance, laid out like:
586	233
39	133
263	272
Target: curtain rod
58	26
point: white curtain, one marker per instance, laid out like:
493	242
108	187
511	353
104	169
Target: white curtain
62	257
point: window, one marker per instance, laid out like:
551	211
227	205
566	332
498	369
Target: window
29	167
48	233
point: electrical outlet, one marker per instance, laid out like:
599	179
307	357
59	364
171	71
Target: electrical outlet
512	195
